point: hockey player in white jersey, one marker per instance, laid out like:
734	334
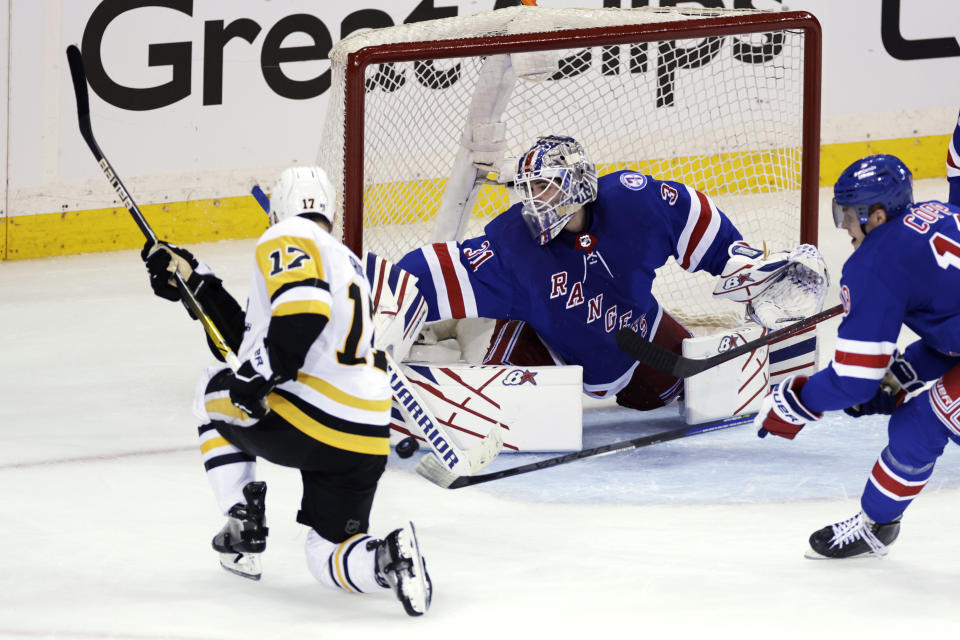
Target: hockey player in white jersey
311	393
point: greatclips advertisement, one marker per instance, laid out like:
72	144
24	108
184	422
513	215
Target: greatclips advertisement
197	99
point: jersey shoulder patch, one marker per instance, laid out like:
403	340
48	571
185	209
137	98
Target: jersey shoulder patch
633	181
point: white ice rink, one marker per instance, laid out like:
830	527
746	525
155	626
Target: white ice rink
106	516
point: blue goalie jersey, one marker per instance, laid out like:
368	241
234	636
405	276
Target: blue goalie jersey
580	288
905	272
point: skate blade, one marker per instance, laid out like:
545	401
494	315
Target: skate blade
810	554
414	591
246	565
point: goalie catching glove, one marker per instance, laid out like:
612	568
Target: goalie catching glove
782	413
899	381
782	286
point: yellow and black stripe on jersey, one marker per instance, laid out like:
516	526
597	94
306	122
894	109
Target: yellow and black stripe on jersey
372	439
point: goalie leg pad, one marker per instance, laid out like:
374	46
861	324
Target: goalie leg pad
539	408
793	355
732	388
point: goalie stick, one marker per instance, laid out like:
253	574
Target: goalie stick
432	470
75	59
678	366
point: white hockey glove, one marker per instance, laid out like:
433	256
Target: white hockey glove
399	310
782	413
779	287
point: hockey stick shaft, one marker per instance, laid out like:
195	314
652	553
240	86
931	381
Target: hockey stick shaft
679	366
80	90
636	443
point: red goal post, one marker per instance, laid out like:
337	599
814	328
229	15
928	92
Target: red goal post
424	120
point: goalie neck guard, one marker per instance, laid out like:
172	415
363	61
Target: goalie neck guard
554	180
302	191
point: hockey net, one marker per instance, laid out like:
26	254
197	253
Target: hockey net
425	121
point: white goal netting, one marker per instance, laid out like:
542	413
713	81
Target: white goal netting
425	120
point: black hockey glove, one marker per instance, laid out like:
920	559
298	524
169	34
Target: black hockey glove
249	389
900	380
163	260
885	401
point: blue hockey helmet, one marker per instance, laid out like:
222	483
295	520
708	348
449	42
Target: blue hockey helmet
874	180
554	179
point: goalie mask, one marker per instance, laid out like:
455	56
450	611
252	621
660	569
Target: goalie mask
554	180
301	191
874	180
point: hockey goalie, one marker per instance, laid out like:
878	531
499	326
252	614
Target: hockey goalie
574	261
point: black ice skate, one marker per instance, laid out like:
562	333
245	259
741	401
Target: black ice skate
853	538
401	567
244	537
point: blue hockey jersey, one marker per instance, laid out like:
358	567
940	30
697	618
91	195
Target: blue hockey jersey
579	289
905	272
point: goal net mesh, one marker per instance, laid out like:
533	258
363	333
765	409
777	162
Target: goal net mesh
721	113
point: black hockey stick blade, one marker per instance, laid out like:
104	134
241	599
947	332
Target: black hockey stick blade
434	471
79	76
679	366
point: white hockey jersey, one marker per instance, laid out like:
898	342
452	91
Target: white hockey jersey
341	395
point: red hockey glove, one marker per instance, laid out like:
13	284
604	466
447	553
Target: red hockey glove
782	413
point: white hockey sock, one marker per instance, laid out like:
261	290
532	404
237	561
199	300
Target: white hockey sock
228	469
349	565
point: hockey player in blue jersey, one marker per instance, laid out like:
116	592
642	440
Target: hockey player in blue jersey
574	261
904	271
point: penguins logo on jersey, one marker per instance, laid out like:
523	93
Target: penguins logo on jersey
633	181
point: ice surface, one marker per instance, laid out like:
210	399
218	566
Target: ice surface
106	516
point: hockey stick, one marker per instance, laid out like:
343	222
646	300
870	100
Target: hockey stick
429	468
680	367
86	130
